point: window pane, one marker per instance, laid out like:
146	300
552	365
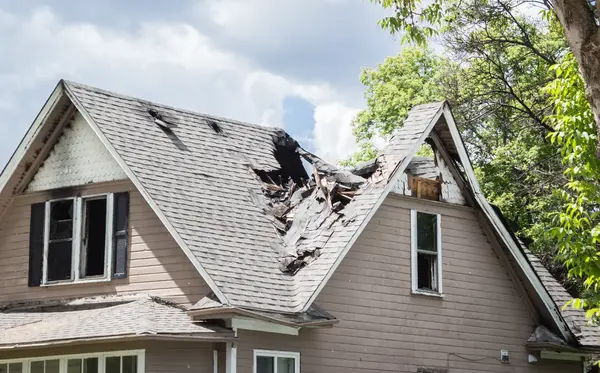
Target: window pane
61	220
265	364
74	366
3	368
286	365
94	238
59	260
15	368
129	364
426	271
90	365
113	364
37	367
426	231
52	366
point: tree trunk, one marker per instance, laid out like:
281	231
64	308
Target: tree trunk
581	31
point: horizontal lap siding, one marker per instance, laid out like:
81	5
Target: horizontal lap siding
384	328
157	265
161	357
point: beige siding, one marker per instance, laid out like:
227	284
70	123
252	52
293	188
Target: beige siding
156	263
161	357
384	328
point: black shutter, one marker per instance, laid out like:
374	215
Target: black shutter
120	234
36	243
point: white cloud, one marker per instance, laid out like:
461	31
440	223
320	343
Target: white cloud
333	131
173	63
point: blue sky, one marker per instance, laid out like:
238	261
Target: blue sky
289	63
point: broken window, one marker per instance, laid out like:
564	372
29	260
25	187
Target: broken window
78	238
93	253
426	252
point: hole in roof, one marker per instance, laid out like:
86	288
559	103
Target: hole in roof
215	126
160	120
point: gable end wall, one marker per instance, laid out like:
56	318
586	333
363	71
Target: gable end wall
78	158
157	265
384	328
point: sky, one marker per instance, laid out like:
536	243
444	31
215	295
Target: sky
288	63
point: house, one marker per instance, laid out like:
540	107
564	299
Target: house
136	237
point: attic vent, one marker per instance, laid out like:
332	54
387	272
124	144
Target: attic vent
158	119
215	126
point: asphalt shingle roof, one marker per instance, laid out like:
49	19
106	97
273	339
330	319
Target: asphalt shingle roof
201	181
587	335
143	317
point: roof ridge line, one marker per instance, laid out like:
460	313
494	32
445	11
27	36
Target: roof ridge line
73	84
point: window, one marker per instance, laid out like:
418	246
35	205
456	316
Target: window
11	368
79	239
113	362
45	366
276	362
77	242
426	253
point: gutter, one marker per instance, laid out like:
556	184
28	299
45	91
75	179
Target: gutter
220	337
230	312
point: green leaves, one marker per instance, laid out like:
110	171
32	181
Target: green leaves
399	83
577	228
417	21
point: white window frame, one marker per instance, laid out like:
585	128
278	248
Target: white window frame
414	255
275	355
141	360
77	242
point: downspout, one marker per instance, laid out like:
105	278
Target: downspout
231	355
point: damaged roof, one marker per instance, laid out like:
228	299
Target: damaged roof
264	231
210	188
587	335
86	318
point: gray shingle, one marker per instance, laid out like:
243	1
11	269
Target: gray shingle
200	180
143	317
587	335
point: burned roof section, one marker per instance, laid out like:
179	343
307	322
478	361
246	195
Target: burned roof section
301	206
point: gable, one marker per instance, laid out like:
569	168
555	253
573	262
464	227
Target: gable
77	158
155	263
425	174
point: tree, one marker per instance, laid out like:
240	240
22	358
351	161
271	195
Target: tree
421	20
493	82
577	226
401	82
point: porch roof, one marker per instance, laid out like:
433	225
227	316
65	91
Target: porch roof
90	320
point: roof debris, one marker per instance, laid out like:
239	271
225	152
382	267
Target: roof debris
303	208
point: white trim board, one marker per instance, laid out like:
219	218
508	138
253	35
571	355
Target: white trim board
262	326
30	136
414	254
502	231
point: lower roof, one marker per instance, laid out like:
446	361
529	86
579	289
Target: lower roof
89	320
